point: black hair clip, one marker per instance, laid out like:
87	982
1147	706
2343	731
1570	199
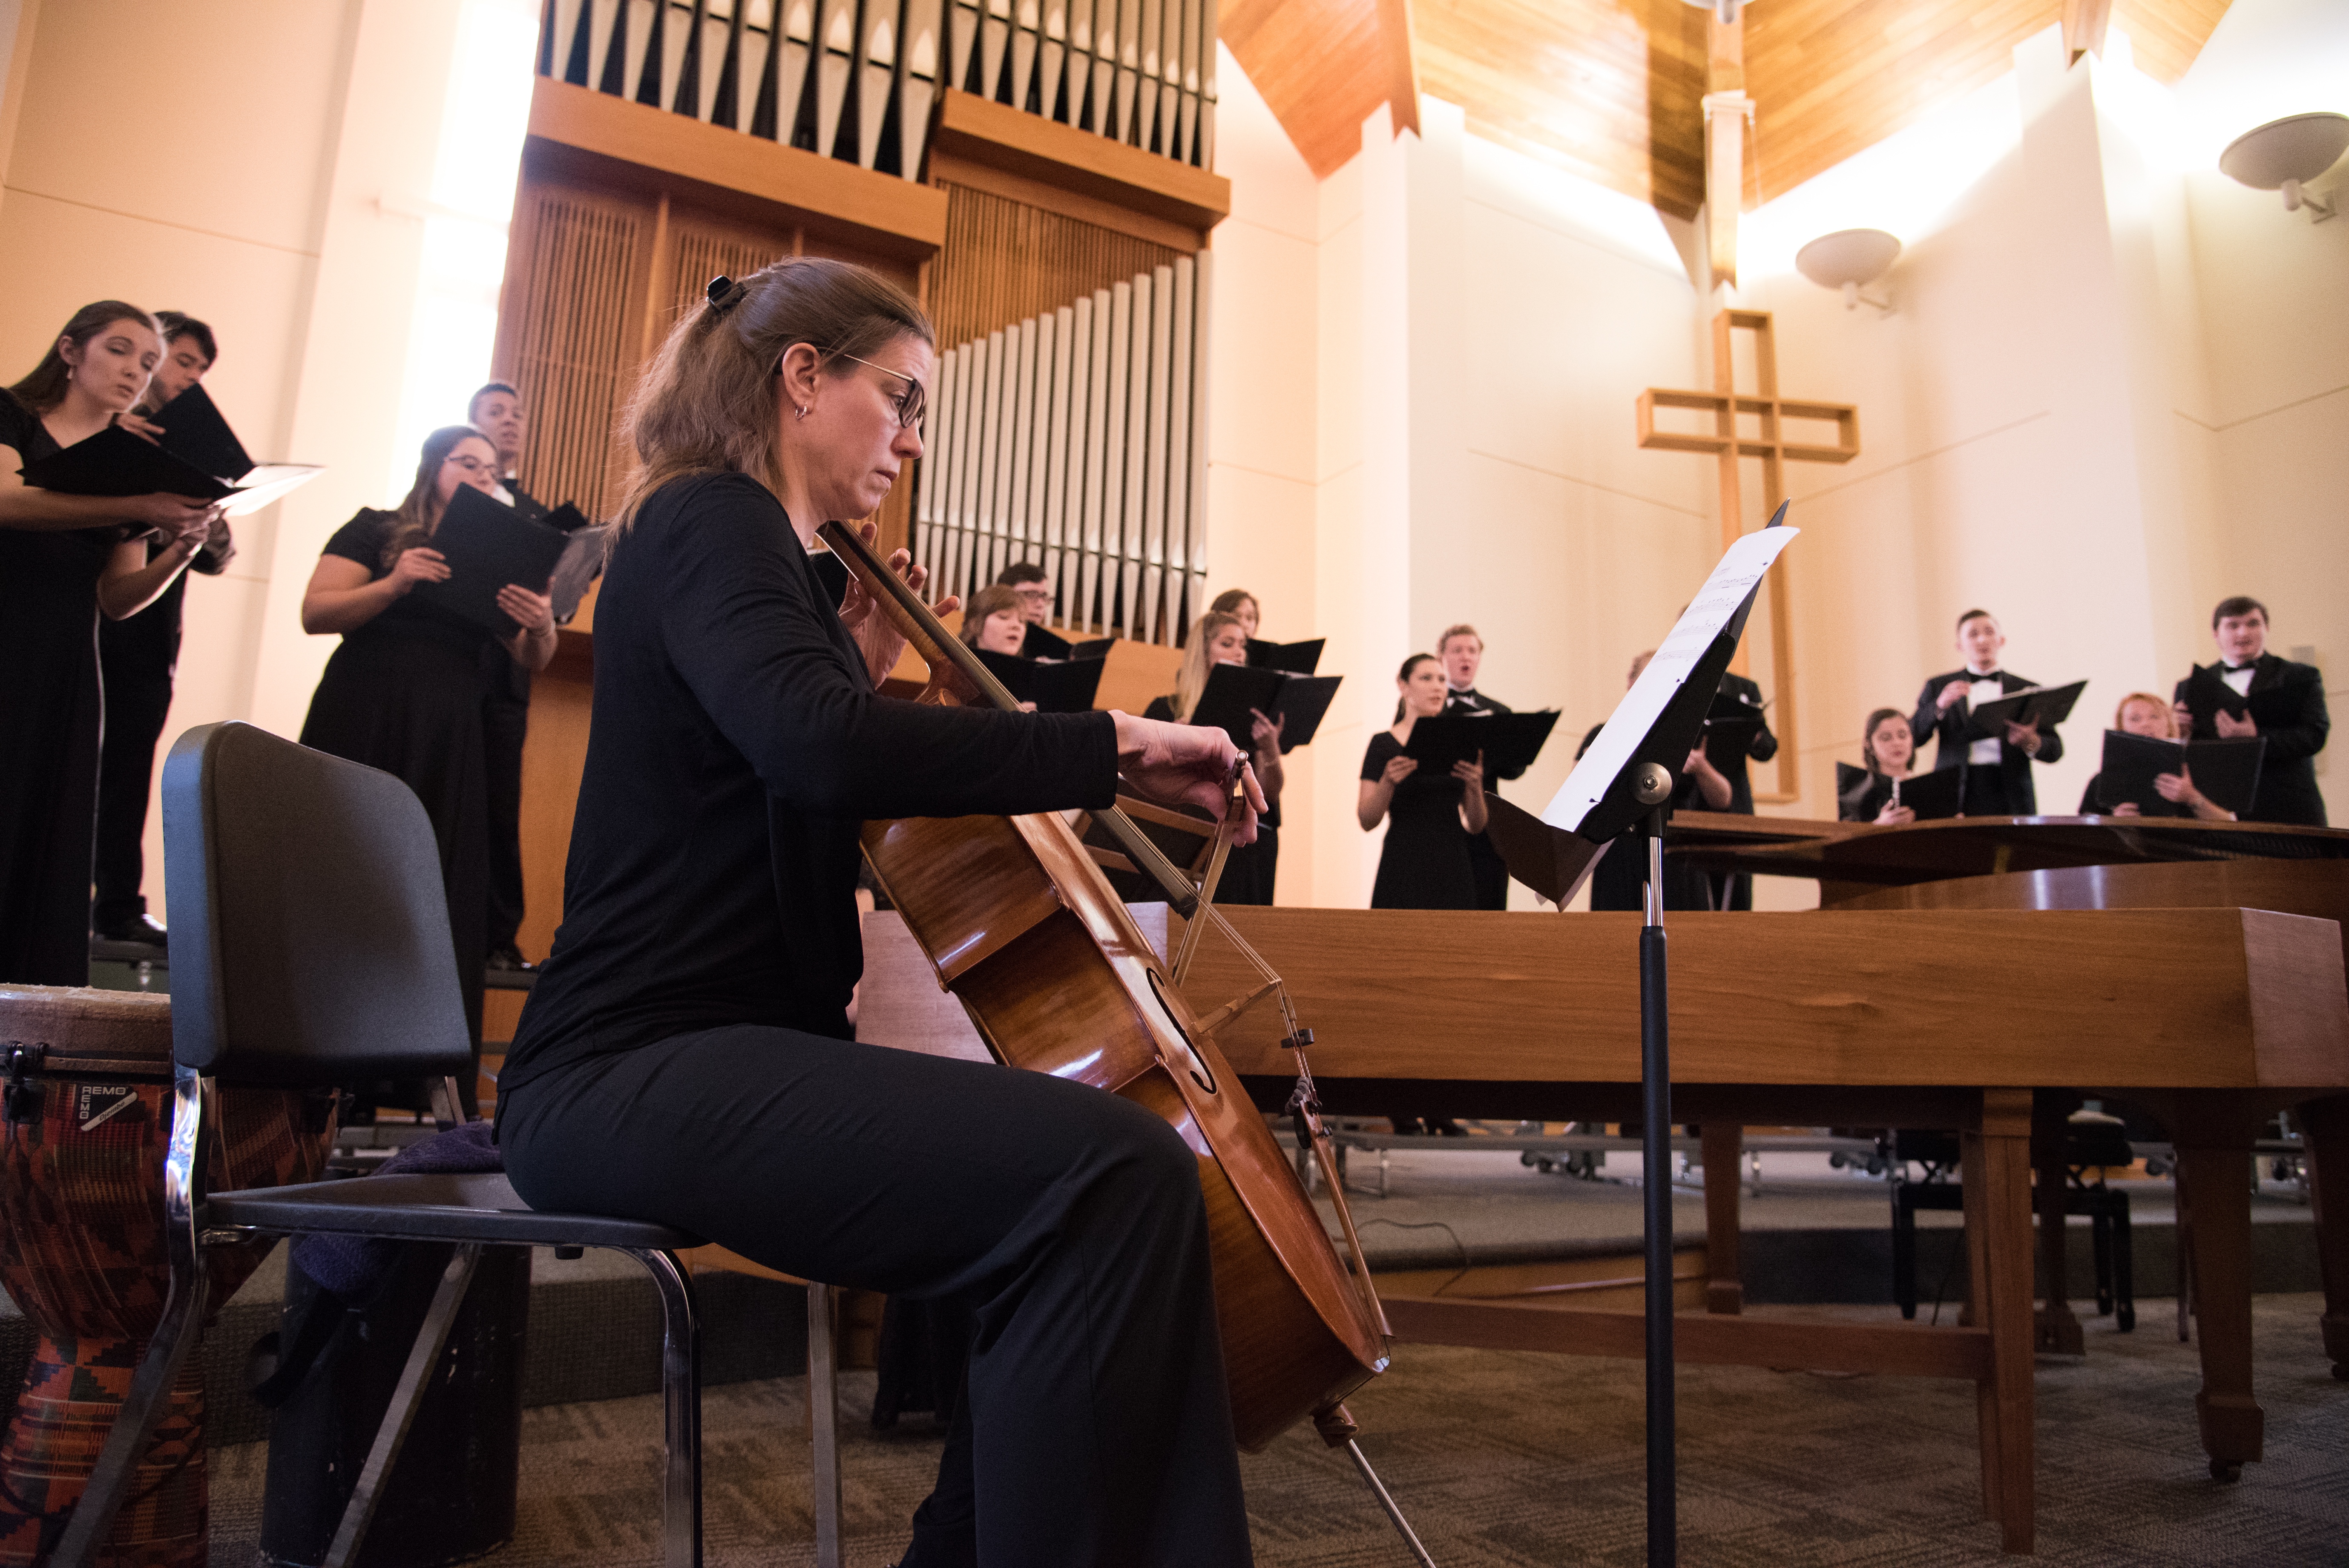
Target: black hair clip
725	294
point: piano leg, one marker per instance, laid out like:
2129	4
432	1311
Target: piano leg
1996	1155
1725	1288
2056	1331
2325	1124
2214	1135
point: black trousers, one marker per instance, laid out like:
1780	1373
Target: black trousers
136	659
1097	1432
505	722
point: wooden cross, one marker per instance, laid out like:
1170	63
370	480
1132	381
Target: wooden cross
1728	444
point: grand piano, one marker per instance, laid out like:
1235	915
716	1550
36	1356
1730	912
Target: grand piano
2195	970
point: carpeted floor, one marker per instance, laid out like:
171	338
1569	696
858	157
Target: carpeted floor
1508	1461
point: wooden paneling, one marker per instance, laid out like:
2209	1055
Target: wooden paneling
1831	77
1608	90
2121	997
1325	66
1007	260
880	213
971	129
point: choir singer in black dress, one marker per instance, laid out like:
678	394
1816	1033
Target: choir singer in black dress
64	560
1998	768
1221	636
403	691
139	660
1887	749
2288	790
686	1056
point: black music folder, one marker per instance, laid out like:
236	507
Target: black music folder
1931	795
1509	741
488	544
2049	705
1296	657
115	463
1041	644
2226	770
1055	686
1299	701
194	430
2208	693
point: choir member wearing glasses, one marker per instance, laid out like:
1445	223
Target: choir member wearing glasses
403	691
2143	714
139	658
1998	767
64	561
685	1056
1219	637
2287	790
1888	750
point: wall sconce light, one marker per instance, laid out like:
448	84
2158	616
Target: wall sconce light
1846	260
2283	154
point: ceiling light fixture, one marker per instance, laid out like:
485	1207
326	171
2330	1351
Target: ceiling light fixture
2284	154
1724	9
1846	259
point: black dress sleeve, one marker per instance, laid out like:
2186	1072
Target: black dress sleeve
362	539
771	664
21	430
2089	805
1160	708
1383	749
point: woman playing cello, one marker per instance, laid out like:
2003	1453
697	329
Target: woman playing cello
685	1056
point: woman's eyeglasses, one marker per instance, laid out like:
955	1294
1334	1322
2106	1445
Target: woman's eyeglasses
472	465
910	402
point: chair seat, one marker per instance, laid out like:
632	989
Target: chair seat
424	1207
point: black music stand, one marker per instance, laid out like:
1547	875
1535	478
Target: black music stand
1555	860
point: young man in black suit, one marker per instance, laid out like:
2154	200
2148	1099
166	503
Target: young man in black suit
2297	719
138	660
1998	769
1462	653
496	412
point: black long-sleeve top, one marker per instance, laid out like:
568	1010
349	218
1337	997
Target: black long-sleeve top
736	750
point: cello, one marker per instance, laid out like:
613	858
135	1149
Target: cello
1018	922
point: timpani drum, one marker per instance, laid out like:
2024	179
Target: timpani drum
85	1123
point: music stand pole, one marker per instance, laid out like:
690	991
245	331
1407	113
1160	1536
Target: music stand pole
1656	1157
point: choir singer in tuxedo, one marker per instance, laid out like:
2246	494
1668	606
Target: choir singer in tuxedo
1998	769
2287	791
1461	652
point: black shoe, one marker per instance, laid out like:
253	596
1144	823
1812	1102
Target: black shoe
509	957
139	928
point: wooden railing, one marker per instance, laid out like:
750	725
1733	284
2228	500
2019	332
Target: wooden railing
856	80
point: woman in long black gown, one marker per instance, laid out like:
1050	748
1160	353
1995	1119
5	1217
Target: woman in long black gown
1423	864
63	560
1221	637
685	1057
403	693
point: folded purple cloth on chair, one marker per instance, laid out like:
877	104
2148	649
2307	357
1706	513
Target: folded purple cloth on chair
352	1267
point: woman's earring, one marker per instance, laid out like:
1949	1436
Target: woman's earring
802	408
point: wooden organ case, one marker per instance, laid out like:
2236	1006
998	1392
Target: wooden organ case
1000	165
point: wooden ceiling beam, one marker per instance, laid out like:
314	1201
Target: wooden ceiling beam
1323	66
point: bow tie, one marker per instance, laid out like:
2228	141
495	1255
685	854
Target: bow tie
2227	668
1467	696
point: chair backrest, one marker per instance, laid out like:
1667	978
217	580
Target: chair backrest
309	926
